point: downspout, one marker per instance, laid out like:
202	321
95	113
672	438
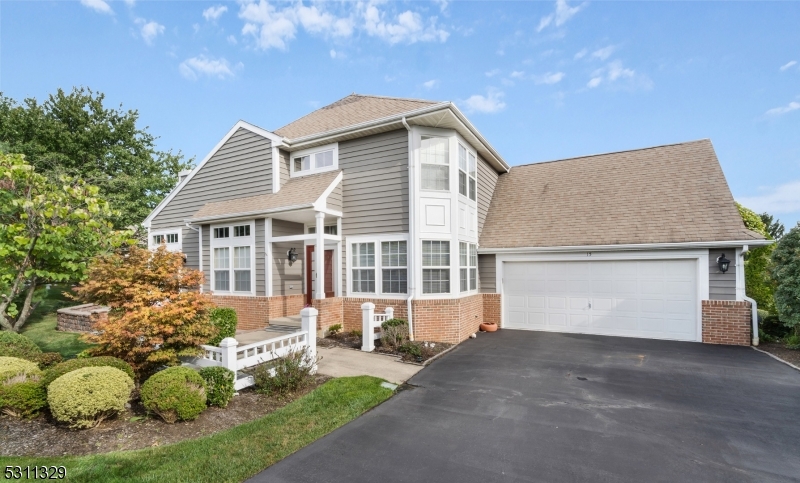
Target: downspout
412	241
199	231
753	303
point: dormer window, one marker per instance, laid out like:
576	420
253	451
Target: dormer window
316	160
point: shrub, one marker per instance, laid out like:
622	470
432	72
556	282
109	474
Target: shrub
83	398
394	333
48	359
772	326
225	320
219	385
334	329
177	393
17	345
792	341
356	333
73	364
14	369
786	273
157	314
285	375
22	399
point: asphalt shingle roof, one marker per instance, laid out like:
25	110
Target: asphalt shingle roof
665	194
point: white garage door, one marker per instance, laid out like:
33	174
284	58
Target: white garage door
633	298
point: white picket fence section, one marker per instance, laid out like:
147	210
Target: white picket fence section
234	357
369	321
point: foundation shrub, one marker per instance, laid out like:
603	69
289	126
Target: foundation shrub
83	398
225	320
285	375
62	368
219	385
394	333
17	345
177	393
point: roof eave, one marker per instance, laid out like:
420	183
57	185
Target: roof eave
248	214
628	247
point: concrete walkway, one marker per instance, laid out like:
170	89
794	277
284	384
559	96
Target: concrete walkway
245	337
338	362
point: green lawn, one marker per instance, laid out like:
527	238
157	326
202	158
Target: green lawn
235	454
41	326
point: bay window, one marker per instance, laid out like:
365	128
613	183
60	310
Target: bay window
436	266
435	163
232	258
468	263
472	177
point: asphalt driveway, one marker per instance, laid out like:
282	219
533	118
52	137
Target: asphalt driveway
536	406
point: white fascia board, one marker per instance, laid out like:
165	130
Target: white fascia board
246	214
322	201
274	138
640	246
461	117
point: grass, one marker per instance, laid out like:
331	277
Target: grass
235	454
41	326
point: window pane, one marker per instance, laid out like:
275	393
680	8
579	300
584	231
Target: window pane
243	230
331	230
222	280
312	229
462	182
394	281
435	253
393	254
462	254
471	165
241	280
472	189
435	177
158	239
433	150
473	255
435	280
241	257
222	258
172	238
364	281
302	163
462	158
463	279
473	279
221	232
323	159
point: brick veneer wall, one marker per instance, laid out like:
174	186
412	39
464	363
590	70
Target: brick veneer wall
351	310
491	308
255	312
727	322
330	312
437	320
80	318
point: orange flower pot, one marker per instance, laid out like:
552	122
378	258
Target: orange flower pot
488	327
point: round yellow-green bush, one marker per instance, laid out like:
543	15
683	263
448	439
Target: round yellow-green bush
62	368
13	369
85	397
22	399
177	393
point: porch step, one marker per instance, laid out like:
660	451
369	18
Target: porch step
289	324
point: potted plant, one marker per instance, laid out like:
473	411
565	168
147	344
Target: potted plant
488	327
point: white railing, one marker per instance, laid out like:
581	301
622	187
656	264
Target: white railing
230	355
369	322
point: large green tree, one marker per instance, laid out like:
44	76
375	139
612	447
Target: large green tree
774	227
786	272
48	233
758	283
74	134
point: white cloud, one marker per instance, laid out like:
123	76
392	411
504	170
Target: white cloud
149	30
563	13
788	65
603	53
492	72
784	198
316	21
130	3
594	82
431	83
232	39
337	54
549	78
213	13
201	65
518	74
98	6
615	72
270	28
492	102
777	111
409	27
581	54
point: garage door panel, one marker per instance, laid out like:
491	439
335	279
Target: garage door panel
634	298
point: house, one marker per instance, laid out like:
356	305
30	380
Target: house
403	203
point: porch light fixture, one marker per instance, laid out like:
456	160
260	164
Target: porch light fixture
723	263
291	255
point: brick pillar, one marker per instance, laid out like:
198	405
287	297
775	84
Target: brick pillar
727	322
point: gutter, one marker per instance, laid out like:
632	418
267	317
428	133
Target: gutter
412	240
753	303
633	246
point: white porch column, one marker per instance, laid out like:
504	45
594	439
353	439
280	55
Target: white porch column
319	255
308	324
367	332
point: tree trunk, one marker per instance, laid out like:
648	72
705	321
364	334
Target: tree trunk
26	306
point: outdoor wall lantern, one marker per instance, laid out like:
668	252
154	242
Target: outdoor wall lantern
291	255
723	263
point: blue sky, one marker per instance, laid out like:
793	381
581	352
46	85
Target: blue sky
541	80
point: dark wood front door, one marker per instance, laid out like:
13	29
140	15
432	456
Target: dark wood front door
310	287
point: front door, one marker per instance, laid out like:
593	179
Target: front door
311	273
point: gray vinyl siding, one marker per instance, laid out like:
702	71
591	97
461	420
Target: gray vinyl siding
375	184
284	166
287	279
206	257
190	245
241	167
334	201
487	273
487	180
721	286
260	259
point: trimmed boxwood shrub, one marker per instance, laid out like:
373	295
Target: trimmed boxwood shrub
85	397
225	320
14	369
177	393
22	399
68	366
17	345
219	385
48	359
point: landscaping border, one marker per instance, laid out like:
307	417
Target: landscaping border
776	358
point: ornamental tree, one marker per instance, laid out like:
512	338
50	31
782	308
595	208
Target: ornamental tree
48	233
758	283
157	313
786	272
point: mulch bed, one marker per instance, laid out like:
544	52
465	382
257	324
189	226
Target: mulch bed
135	429
349	341
791	356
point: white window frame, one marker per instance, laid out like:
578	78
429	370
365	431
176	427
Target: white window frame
311	230
378	240
448	268
469	175
173	247
468	267
311	152
448	141
232	242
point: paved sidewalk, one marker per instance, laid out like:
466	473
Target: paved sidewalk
338	362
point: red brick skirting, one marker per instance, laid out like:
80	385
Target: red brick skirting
330	312
351	310
727	322
255	312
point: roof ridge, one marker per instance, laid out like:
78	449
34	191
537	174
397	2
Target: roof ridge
610	152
